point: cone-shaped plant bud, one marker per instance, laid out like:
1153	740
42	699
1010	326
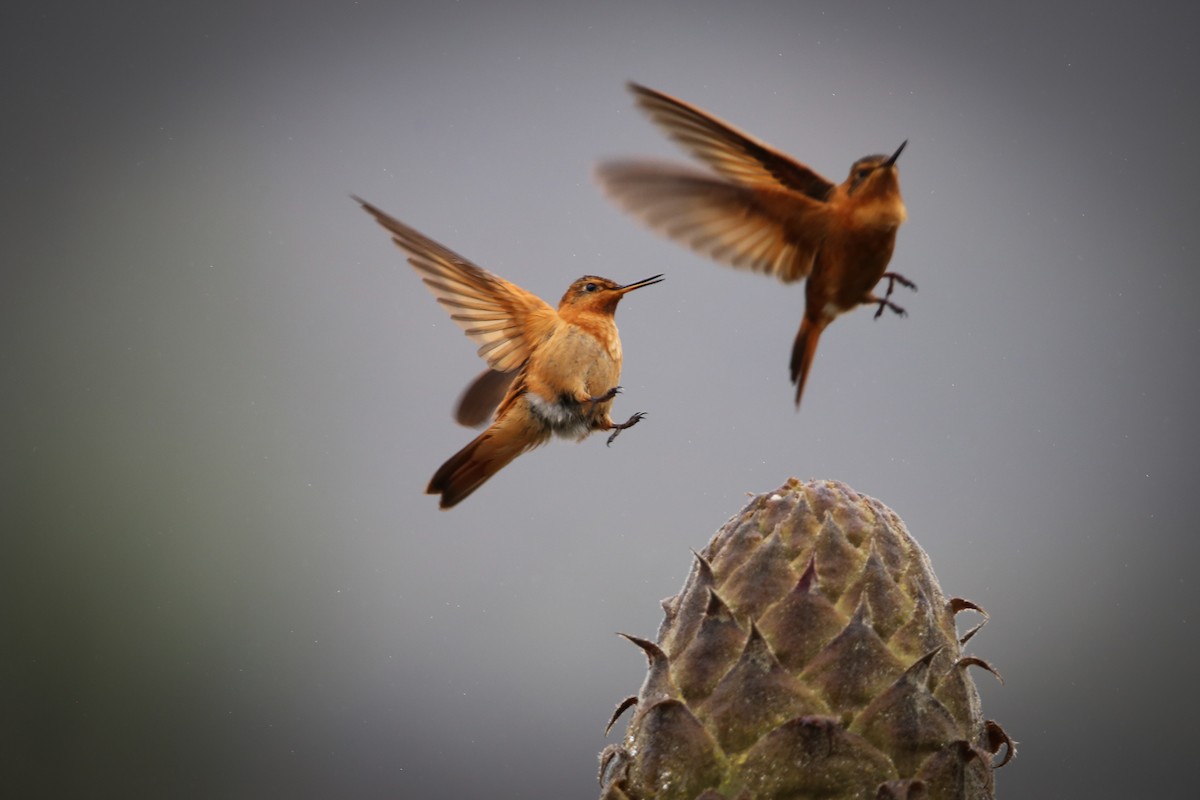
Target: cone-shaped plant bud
684	769
853	668
760	580
958	770
810	654
756	694
908	720
717	642
742	535
921	632
684	611
878	587
657	685
814	757
956	691
802	623
838	561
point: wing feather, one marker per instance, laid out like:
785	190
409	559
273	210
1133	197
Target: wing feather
733	153
505	321
482	396
772	231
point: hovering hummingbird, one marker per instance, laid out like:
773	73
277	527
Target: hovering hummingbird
767	212
550	371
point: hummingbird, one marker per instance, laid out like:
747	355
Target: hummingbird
765	212
550	371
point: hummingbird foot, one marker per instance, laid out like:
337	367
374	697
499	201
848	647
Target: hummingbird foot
892	278
885	303
896	277
629	423
601	398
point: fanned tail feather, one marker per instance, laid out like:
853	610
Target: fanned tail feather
487	454
803	351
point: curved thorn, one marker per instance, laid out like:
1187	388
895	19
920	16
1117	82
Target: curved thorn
653	652
997	738
959	604
620	709
975	661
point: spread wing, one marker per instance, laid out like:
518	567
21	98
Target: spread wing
773	231
505	321
736	155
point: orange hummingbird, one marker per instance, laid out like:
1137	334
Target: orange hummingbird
550	371
767	212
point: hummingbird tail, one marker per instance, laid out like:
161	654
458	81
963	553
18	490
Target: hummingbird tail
803	351
487	454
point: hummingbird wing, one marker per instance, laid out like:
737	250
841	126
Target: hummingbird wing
506	321
482	397
763	229
733	153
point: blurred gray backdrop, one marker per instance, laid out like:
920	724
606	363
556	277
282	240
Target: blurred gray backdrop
223	390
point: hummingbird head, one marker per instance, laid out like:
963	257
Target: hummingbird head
600	294
875	175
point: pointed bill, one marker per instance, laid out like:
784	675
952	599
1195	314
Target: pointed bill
629	287
896	154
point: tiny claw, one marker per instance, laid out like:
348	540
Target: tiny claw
629	423
893	278
609	395
885	303
896	277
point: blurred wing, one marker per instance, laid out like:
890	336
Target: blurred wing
505	321
731	152
771	231
482	397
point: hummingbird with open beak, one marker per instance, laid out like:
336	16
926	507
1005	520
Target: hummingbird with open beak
550	371
766	212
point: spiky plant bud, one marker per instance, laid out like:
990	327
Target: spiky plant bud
810	654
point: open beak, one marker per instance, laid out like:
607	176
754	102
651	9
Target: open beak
629	287
896	154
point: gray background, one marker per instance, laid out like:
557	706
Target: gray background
223	390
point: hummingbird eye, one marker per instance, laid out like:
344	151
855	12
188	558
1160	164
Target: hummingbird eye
864	172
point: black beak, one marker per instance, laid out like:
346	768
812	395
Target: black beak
896	154
629	287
